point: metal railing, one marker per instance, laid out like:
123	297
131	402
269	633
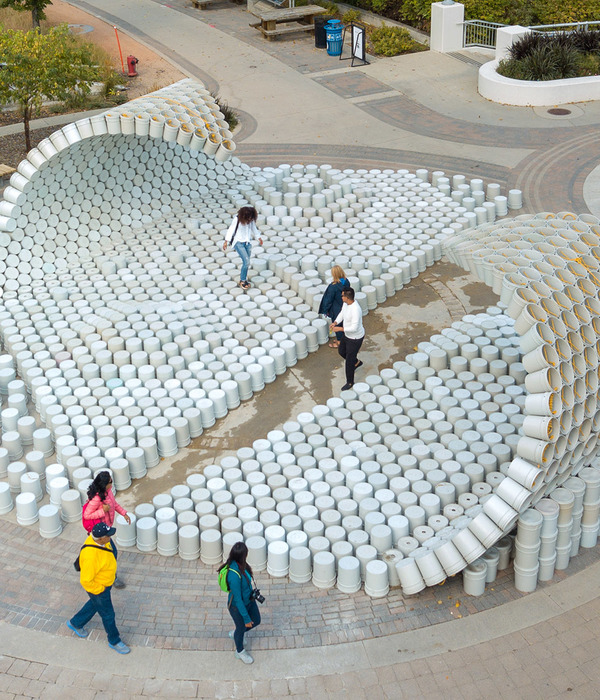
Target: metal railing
477	32
558	28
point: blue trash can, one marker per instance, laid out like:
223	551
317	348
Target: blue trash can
333	30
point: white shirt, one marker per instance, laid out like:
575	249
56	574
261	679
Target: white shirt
351	318
245	232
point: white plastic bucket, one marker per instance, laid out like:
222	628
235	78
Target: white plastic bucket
474	576
526	578
410	576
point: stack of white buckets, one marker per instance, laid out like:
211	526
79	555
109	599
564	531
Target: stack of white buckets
123	317
548	535
23	463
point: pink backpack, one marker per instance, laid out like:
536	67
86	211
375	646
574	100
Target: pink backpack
88	523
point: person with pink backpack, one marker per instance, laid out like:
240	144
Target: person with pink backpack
101	507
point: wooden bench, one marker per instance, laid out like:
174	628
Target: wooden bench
270	19
6	170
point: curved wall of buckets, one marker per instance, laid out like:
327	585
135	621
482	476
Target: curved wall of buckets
125	336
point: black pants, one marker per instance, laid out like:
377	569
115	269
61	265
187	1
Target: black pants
240	625
348	349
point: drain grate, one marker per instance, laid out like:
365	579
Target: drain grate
469	60
559	111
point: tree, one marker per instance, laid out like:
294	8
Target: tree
39	67
36	7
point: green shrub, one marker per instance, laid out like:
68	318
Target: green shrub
488	10
586	41
416	12
77	100
351	16
589	64
552	57
392	41
511	69
524	12
566	59
228	114
525	45
379	7
331	7
540	65
110	80
552	12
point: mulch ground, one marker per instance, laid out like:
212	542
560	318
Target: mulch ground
12	148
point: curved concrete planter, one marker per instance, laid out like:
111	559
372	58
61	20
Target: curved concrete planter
534	93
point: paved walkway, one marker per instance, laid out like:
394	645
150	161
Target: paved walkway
44	122
541	646
417	110
299	104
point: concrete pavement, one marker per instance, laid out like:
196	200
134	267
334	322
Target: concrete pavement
540	646
419	110
45	122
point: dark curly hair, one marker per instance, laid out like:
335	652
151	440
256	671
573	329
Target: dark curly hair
246	215
100	485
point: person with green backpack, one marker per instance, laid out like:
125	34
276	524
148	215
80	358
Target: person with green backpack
235	577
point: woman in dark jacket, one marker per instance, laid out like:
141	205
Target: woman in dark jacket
240	603
331	303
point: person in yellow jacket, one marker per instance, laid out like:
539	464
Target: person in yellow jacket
98	564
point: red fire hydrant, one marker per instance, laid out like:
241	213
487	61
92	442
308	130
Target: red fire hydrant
132	62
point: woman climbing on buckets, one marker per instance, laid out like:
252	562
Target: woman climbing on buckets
240	234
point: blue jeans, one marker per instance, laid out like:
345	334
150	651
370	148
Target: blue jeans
244	250
101	604
240	625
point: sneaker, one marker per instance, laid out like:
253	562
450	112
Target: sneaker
347	386
358	364
79	631
120	648
244	656
230	634
119	583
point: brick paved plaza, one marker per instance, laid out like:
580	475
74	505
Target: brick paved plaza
410	112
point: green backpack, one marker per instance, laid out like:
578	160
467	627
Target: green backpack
222	577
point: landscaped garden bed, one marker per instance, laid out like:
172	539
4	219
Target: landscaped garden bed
556	56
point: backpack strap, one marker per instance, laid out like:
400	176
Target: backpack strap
230	570
234	233
97	546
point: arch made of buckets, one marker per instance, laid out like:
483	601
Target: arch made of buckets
155	128
546	270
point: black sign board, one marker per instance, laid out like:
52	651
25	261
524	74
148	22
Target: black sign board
358	41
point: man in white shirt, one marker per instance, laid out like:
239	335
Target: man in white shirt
349	320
